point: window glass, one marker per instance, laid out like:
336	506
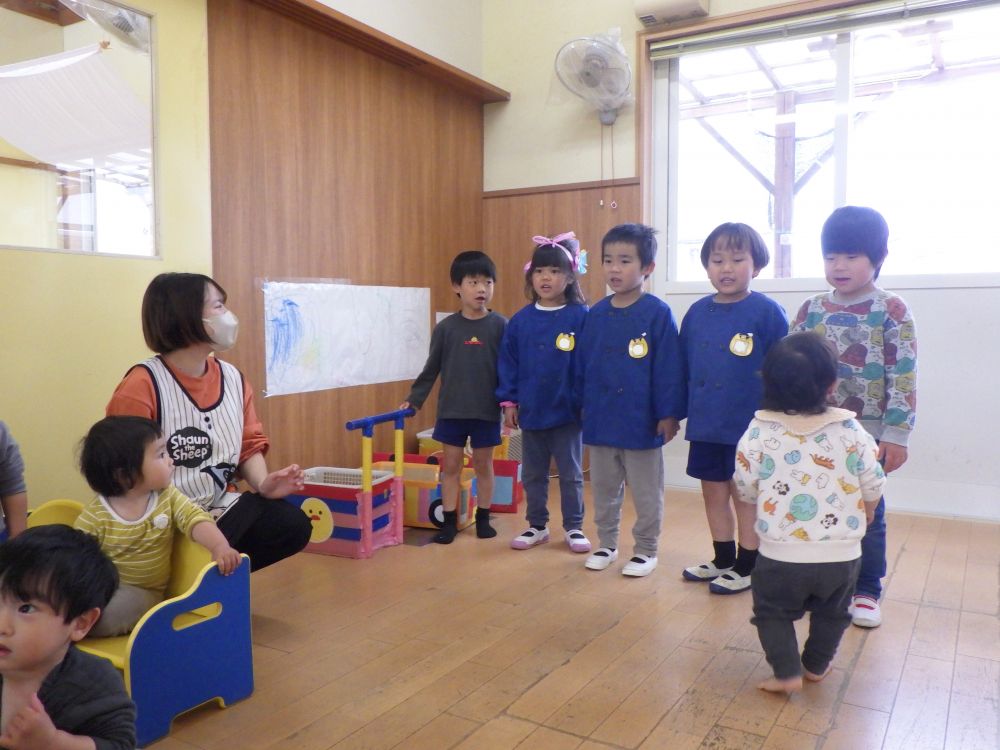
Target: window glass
900	116
76	153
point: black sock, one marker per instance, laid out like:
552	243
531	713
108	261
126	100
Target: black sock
447	533
483	528
725	554
745	560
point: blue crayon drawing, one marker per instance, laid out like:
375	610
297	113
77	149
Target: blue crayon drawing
320	335
284	333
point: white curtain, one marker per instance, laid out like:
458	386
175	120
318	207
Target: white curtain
74	110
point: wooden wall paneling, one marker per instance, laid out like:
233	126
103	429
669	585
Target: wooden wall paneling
329	162
512	218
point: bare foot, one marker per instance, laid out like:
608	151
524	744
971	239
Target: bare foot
816	677
787	686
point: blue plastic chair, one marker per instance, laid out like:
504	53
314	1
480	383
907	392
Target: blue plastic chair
191	648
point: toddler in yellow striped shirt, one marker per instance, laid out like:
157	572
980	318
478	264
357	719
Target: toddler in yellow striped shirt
135	515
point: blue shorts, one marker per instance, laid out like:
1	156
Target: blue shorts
712	462
480	433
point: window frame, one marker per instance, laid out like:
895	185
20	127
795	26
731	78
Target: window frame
654	98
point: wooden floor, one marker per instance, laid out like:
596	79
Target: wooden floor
479	647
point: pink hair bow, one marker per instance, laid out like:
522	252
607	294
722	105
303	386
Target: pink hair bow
578	263
539	239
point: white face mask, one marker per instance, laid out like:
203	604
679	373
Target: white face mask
222	329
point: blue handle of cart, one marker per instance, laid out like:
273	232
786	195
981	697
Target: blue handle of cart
366	424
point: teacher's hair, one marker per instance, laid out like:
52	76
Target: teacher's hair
172	311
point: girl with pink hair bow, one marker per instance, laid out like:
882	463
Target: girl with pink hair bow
535	386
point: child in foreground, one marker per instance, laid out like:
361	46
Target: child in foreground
135	515
536	387
808	474
54	582
725	337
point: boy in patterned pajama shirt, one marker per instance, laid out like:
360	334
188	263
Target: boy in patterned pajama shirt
875	338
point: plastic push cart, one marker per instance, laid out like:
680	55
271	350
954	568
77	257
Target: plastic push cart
422	504
356	511
507	488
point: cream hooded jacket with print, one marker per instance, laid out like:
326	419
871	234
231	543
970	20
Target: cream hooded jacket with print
809	476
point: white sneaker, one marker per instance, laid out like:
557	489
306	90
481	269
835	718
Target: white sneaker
865	611
577	541
601	558
529	538
639	565
729	583
704	572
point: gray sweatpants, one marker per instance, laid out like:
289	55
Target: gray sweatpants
783	592
610	470
539	447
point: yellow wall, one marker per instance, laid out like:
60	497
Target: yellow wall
22	37
450	30
26	195
544	135
70	323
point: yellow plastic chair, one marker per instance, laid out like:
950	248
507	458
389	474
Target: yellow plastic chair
191	648
55	511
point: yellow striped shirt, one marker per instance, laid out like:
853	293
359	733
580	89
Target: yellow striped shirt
141	549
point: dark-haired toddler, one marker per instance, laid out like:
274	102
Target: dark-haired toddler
809	479
136	513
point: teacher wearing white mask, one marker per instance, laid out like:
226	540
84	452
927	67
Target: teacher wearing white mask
205	408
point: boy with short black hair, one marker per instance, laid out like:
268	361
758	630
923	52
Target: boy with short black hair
630	385
464	350
54	582
725	337
875	338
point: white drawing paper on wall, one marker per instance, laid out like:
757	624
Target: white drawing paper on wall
321	335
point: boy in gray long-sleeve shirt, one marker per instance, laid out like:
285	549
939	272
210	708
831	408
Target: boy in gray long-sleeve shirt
463	351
